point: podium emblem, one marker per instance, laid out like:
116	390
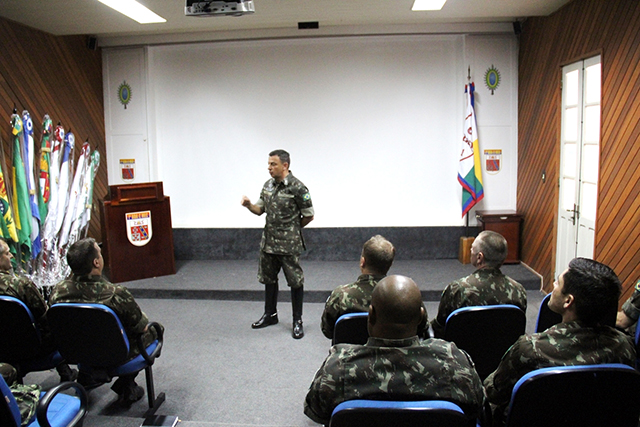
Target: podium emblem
139	230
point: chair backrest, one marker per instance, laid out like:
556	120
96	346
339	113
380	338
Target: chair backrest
88	333
577	396
19	334
546	317
485	332
382	413
9	411
351	328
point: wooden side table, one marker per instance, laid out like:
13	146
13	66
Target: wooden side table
507	223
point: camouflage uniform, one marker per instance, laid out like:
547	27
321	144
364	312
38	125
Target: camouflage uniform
284	203
485	286
406	369
351	298
564	344
631	307
26	396
355	298
95	289
27	292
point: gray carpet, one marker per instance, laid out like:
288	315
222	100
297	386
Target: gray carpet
236	280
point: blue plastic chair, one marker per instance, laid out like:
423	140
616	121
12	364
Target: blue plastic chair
55	409
485	333
577	396
383	413
20	339
546	317
351	328
92	336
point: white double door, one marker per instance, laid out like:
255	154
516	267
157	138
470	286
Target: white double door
579	161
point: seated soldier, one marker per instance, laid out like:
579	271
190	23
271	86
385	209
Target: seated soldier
485	286
394	364
87	285
586	295
26	396
25	290
628	315
375	260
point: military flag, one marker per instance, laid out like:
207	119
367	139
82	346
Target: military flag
470	167
45	158
20	193
77	199
28	156
85	216
54	177
7	224
63	181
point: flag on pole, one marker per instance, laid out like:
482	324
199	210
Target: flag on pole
45	158
470	167
54	178
77	199
63	180
28	156
20	194
7	226
85	217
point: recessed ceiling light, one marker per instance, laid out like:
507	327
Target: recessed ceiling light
428	5
134	10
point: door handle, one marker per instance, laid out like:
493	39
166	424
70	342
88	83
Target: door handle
575	214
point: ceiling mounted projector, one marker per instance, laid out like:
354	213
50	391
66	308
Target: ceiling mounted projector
219	8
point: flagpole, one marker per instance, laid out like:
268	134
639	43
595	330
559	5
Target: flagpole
466	229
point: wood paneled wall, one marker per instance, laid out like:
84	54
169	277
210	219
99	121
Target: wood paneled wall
59	76
581	29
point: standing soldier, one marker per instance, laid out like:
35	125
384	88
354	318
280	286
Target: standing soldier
287	202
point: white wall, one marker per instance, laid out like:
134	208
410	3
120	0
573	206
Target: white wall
126	124
373	125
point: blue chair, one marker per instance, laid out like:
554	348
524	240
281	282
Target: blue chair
351	328
383	413
637	341
92	336
20	339
55	409
546	317
577	396
485	333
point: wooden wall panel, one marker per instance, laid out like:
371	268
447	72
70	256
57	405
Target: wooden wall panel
59	76
581	29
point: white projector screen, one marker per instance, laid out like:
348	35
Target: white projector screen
373	126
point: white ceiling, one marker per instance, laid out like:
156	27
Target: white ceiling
67	17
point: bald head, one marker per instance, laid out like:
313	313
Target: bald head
396	308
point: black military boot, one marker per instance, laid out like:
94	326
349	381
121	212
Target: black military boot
270	316
266	320
298	330
297	295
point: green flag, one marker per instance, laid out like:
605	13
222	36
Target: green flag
7	226
20	196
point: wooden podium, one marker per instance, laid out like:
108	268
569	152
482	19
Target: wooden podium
137	238
506	223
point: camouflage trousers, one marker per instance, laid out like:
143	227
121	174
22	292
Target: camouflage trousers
270	265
